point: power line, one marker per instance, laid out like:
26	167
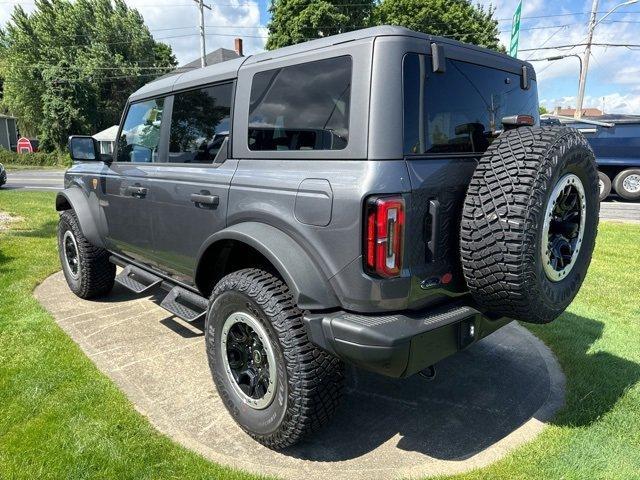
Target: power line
548	39
559	47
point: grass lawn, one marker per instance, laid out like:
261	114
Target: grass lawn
61	418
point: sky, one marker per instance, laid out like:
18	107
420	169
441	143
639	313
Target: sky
614	72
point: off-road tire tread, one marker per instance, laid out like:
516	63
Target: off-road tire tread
315	378
502	211
97	272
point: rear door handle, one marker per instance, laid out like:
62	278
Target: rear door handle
135	191
205	201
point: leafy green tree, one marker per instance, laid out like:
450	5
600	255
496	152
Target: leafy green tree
543	110
68	67
457	19
295	21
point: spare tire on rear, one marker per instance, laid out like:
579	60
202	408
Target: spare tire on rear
529	223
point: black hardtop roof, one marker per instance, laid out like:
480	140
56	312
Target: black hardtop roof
229	69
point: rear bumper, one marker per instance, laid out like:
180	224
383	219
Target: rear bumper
400	344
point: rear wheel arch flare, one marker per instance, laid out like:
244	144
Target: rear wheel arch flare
225	256
268	246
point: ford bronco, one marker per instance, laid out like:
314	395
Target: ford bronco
382	197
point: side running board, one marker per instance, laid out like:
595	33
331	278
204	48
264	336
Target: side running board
136	279
185	304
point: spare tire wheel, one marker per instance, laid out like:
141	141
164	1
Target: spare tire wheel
529	223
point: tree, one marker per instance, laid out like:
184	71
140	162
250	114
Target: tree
69	67
295	21
543	110
457	19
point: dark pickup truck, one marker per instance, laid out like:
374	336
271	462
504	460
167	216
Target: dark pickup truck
615	140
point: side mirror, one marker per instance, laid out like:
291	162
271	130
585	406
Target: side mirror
84	148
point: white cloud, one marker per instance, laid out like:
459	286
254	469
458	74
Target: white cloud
613	71
177	24
234	18
628	76
613	103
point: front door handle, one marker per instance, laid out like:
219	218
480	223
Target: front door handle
203	200
136	191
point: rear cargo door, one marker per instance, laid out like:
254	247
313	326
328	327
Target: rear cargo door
450	118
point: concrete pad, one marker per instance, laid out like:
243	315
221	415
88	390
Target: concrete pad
485	401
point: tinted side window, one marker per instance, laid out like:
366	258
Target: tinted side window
140	134
301	107
460	110
199	124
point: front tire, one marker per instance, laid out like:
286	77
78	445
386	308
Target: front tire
274	382
87	268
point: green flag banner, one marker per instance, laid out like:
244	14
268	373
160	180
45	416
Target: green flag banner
515	31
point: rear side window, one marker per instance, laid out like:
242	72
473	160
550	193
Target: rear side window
199	124
460	110
301	107
140	134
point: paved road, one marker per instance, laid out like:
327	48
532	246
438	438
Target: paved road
34	180
620	211
612	209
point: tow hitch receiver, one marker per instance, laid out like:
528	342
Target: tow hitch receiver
466	333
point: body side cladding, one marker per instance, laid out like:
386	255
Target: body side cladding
311	289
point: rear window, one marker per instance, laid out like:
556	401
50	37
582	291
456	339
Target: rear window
301	107
460	110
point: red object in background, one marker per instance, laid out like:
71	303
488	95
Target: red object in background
24	145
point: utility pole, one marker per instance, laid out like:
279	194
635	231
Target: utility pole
587	51
585	60
203	50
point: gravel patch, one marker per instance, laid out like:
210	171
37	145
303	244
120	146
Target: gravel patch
6	219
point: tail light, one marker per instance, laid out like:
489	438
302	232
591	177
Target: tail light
384	234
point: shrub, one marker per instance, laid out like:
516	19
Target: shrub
57	158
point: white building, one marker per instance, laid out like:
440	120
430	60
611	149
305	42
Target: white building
107	139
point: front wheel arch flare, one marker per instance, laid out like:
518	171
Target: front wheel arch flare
74	199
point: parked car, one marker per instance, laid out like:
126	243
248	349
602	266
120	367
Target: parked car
381	197
3	175
615	140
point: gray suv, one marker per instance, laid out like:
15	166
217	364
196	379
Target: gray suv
381	197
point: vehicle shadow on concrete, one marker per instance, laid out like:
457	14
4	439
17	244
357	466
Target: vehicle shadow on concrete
478	398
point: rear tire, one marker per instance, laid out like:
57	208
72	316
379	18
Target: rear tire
604	185
529	223
87	268
287	390
627	184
